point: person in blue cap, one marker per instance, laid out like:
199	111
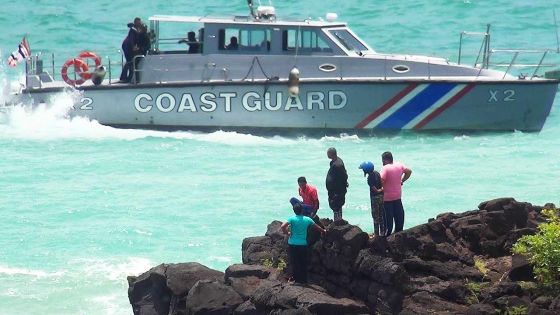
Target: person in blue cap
376	198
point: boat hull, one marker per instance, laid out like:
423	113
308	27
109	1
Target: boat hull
336	104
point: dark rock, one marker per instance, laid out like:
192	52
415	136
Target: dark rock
182	277
449	290
497	222
148	293
446	271
299	311
245	279
245	286
426	303
380	269
481	309
517	212
276	295
274	232
248	308
210	297
255	250
501	289
495	204
521	269
240	271
555	304
497	267
506	302
543	301
535	310
162	289
378	245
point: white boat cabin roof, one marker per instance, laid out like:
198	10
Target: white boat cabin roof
244	19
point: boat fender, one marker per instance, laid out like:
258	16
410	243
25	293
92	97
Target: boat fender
89	55
293	82
80	67
98	75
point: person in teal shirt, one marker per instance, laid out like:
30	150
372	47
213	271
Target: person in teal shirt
296	228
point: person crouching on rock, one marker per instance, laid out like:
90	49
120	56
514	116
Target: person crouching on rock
310	203
296	228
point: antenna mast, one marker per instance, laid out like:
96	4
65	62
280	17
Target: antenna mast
251	10
556	25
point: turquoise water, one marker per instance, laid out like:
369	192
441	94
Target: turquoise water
84	205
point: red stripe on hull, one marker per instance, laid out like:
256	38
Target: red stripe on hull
386	106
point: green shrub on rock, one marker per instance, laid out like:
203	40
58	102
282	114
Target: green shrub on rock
543	249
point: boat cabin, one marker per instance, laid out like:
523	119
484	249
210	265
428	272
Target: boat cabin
248	35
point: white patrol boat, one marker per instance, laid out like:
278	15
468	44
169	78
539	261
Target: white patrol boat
258	71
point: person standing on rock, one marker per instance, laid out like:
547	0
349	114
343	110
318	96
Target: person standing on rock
337	183
296	227
393	176
376	198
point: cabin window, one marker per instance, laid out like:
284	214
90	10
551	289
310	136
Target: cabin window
253	40
348	40
305	41
177	38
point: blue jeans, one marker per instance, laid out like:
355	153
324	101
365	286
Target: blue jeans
307	209
394	211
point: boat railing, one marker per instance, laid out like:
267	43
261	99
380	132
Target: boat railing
135	70
42	63
484	47
516	53
485	54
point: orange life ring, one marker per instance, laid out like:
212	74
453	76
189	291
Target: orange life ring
89	55
80	67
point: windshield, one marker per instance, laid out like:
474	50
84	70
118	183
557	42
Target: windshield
348	40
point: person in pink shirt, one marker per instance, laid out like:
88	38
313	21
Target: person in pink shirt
393	176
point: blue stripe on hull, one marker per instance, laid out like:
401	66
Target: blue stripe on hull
416	105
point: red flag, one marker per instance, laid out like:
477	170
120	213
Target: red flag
22	53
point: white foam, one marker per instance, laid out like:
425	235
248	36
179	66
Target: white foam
109	304
143	232
221	259
51	121
113	269
342	138
28	272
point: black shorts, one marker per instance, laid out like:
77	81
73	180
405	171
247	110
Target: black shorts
337	200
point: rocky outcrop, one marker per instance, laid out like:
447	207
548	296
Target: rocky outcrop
163	289
454	264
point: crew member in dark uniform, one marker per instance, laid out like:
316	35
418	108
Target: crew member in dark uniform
129	47
143	48
337	183
194	46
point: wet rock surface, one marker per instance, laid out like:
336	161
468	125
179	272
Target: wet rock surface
433	268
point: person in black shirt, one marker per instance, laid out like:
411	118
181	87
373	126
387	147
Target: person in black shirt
143	46
376	198
337	183
194	46
233	45
129	48
143	40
